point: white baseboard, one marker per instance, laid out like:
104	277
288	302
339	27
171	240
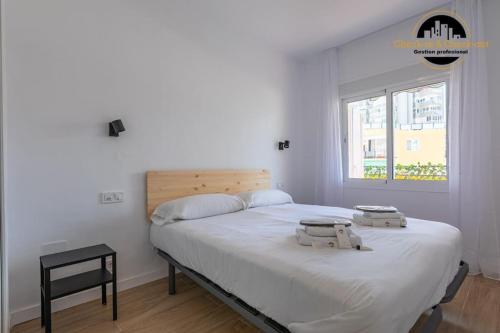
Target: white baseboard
33	311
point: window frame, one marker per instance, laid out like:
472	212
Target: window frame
390	183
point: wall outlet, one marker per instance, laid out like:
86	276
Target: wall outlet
111	197
280	186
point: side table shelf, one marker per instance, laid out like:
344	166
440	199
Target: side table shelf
51	290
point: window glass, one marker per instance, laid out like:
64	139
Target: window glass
367	139
419	133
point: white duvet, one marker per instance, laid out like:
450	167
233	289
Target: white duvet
254	255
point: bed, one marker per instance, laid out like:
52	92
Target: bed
251	260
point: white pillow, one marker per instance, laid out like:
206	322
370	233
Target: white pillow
265	198
196	207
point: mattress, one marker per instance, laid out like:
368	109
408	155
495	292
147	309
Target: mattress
254	255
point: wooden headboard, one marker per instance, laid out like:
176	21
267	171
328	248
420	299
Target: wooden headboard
168	185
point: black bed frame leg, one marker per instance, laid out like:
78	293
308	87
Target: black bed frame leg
432	323
171	279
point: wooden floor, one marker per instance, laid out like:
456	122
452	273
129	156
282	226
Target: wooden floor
149	308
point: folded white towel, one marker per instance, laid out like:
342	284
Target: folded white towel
361	220
320	231
372	215
390	222
318	242
321	244
393	222
307	240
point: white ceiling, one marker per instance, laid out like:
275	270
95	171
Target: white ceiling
299	26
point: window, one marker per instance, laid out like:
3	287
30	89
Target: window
367	138
413	148
412	144
425	155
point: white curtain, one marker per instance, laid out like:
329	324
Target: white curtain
329	168
470	148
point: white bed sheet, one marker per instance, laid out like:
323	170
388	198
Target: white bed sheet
253	254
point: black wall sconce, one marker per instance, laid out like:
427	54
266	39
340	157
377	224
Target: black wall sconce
282	145
115	127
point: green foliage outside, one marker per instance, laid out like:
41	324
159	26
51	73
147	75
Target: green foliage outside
417	171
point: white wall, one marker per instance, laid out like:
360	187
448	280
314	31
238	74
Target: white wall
189	98
374	54
308	93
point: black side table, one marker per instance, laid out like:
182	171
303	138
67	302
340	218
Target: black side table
50	290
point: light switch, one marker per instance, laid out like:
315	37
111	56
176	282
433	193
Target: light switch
118	196
111	197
